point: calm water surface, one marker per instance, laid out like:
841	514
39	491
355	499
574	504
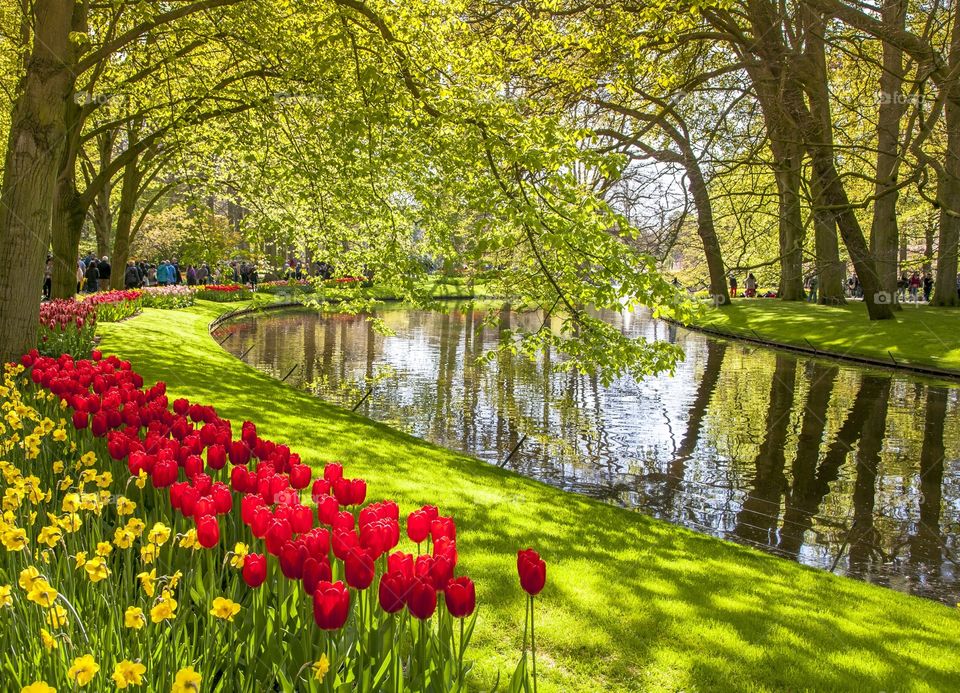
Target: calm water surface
831	465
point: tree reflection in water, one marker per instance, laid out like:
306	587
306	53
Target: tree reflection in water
824	463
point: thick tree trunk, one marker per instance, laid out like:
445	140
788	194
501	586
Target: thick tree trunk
948	186
68	217
788	157
121	238
884	232
34	150
831	274
830	271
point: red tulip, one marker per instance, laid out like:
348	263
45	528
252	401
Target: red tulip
343	542
532	571
443	527
239	452
422	599
393	591
333	471
315	571
216	457
418	526
208	531
79	419
461	597
400	562
358	568
292	557
278	533
327	509
254	569
181	406
301	519
331	605
321	487
300	476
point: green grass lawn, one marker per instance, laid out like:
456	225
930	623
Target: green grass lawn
920	335
631	603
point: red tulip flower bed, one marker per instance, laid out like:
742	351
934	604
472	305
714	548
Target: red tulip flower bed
66	327
223	293
382	618
113	306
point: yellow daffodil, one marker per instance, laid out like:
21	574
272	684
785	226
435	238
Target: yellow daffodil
123	538
104	548
133	618
125	506
65	483
97	569
38	687
148	553
6	598
56	616
128	673
57	467
59	435
71	503
83	670
135	526
189	539
174	579
321	667
240	552
159	534
80	559
88	459
165	609
50	535
71	522
42	593
49	642
225	608
186	681
28	576
141	479
104	479
15	539
148	582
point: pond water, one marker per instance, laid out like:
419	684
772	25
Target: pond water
828	464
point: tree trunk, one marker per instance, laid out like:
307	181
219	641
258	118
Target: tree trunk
831	274
884	232
705	226
121	239
830	271
34	149
788	157
948	186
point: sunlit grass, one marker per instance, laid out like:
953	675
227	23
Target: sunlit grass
631	603
920	335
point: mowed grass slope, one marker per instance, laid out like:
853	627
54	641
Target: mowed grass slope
631	603
920	335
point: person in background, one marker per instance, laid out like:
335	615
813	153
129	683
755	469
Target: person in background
131	276
164	273
48	277
915	287
812	288
733	286
203	273
191	275
93	277
81	273
751	286
103	267
176	276
927	286
150	276
902	283
253	277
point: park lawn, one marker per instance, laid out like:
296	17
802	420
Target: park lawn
920	335
631	603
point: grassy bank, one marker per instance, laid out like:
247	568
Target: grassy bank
920	335
630	604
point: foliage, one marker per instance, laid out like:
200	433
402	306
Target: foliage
66	327
223	293
116	305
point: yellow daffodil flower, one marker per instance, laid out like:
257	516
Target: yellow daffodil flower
49	642
6	598
97	569
133	618
321	667
159	534
50	535
42	593
240	552
104	548
225	608
125	506
38	687
128	673
148	582
165	609
83	670
56	616
186	681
